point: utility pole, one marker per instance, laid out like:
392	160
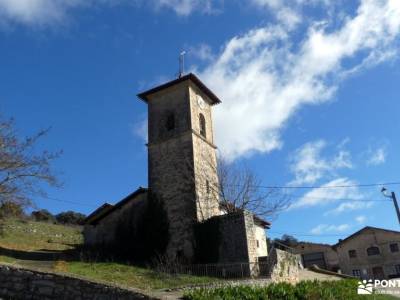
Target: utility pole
396	205
393	197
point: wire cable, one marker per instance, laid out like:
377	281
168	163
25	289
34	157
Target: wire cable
326	186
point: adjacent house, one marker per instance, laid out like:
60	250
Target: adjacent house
368	253
321	255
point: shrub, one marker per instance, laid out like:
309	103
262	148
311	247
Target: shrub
281	291
43	215
305	290
230	293
70	218
11	209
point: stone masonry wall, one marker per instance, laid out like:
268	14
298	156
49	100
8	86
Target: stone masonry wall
250	236
104	232
285	266
171	165
207	186
233	244
178	172
170	168
20	283
238	242
205	159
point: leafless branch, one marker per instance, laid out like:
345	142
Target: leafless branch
23	170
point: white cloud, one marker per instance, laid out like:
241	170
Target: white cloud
329	194
186	7
46	12
377	156
308	165
263	79
140	129
361	219
288	12
287	15
38	12
349	206
325	228
202	52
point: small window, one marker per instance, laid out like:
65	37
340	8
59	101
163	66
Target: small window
397	269
373	251
202	123
170	124
208	186
258	244
357	273
394	247
352	253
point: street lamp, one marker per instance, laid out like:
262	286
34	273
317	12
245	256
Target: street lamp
392	195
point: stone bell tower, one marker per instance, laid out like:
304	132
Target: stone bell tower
182	156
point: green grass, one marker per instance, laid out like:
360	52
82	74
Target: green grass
29	235
130	275
305	290
22	241
7	259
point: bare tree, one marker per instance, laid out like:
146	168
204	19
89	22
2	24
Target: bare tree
236	187
23	171
240	189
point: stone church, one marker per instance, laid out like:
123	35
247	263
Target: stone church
182	171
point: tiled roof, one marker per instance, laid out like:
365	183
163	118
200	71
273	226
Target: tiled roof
103	211
190	76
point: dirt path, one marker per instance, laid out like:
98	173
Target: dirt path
310	275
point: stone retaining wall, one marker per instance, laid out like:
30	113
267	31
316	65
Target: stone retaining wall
21	283
286	267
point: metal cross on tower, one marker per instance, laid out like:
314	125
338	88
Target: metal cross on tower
181	63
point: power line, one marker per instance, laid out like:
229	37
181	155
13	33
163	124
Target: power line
326	186
71	202
316	198
309	234
337	199
287	187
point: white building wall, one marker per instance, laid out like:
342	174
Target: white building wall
261	240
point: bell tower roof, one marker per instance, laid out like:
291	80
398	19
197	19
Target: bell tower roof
214	99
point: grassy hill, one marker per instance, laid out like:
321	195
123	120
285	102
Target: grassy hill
28	235
51	247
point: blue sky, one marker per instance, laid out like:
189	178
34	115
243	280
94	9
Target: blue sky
309	90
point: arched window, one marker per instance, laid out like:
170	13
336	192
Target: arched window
202	122
170	123
373	251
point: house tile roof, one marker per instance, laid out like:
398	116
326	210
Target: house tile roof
360	232
107	209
